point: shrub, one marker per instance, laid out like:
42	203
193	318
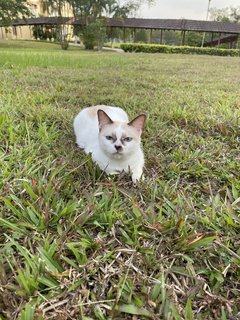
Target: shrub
64	45
155	48
89	38
94	34
43	33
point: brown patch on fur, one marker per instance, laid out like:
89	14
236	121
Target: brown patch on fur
92	111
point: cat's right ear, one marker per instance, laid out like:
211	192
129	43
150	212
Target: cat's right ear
103	119
138	122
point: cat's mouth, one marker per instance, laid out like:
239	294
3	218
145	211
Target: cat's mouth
118	154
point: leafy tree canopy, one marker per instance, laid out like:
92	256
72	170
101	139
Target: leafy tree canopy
99	8
228	14
12	9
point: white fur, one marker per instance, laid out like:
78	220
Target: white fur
93	140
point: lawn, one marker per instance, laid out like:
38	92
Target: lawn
78	244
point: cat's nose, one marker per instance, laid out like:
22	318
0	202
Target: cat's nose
118	148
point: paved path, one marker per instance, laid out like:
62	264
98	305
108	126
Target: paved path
103	48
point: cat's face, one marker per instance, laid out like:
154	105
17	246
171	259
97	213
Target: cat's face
119	139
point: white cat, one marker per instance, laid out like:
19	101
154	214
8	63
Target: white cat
113	141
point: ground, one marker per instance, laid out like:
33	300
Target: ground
77	244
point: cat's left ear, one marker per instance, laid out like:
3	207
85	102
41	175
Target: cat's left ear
138	122
103	119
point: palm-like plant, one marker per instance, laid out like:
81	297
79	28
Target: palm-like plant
11	9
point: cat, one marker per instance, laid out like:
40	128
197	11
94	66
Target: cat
113	141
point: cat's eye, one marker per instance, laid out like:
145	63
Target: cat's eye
128	139
109	137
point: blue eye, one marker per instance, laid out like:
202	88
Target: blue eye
128	139
109	137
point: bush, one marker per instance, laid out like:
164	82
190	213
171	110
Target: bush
64	45
89	38
155	48
94	34
43	33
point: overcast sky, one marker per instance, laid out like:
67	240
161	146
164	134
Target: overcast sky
188	9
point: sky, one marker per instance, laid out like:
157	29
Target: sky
188	9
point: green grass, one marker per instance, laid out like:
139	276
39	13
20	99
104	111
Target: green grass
77	244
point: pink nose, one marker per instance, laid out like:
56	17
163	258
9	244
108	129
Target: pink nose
118	148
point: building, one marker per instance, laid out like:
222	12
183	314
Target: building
38	8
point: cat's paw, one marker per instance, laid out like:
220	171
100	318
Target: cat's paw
136	177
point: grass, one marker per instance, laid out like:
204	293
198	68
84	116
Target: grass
77	244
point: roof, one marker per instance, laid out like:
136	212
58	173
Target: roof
172	24
40	20
223	39
212	26
161	24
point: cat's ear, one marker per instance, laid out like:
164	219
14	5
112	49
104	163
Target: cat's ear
103	119
138	122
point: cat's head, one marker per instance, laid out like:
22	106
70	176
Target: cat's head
119	139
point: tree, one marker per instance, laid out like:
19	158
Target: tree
194	38
91	8
106	8
93	13
94	34
235	14
54	5
90	11
228	14
12	9
141	36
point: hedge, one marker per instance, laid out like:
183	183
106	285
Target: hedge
157	48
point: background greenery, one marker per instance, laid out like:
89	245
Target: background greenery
77	244
156	48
